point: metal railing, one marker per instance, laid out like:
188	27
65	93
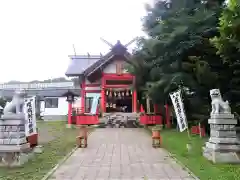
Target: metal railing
37	85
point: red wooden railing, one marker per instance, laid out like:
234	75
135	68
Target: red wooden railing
196	130
80	118
150	119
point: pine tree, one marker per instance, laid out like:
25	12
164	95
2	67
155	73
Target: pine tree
228	45
178	51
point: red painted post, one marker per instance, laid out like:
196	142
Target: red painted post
141	109
103	103
168	117
83	94
134	101
69	112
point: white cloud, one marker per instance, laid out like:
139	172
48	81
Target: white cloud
37	35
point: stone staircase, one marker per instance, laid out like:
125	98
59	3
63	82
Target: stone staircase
120	119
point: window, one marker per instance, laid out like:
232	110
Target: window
88	104
51	103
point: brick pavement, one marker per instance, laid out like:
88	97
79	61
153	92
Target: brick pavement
120	153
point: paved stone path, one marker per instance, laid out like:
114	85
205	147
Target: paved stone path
120	153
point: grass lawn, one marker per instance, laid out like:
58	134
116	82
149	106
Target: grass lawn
175	142
57	141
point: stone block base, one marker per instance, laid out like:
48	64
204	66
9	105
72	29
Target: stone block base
38	149
14	148
221	157
222	116
223	147
14	159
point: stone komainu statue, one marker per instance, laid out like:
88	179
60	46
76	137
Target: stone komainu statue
14	147
16	105
218	105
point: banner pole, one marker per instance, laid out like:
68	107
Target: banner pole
181	114
189	136
189	144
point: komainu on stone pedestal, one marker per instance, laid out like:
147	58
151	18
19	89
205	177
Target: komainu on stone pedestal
218	105
223	145
14	149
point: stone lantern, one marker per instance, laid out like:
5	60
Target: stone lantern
70	99
70	96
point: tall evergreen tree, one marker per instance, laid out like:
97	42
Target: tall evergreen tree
228	45
178	52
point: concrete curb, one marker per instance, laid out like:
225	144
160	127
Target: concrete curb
181	164
59	164
178	162
47	176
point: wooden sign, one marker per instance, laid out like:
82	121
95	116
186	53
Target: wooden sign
119	68
30	116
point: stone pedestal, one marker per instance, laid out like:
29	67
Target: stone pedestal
223	145
14	149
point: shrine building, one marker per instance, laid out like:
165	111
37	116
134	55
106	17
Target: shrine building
105	76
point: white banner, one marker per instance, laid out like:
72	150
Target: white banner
95	104
30	116
179	110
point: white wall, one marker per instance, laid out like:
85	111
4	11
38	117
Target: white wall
77	103
112	67
62	106
61	110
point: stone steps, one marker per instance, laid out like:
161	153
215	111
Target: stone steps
120	119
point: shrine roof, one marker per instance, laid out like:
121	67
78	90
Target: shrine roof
85	65
79	63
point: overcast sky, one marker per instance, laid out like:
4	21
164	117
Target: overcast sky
36	36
